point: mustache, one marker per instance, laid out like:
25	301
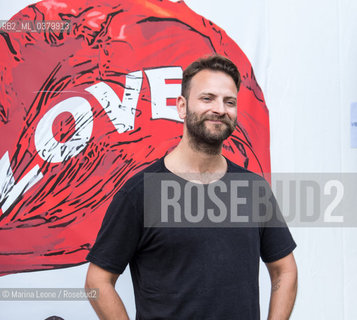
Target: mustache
223	119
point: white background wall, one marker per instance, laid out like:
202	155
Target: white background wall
304	56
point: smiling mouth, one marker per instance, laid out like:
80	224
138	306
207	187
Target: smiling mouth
216	121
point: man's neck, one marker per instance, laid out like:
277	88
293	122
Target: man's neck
185	160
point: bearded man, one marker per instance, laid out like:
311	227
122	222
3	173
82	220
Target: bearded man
195	270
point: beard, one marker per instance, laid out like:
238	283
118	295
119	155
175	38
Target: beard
208	139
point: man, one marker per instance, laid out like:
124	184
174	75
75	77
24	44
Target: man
193	272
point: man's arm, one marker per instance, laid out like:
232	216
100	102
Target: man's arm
108	304
283	276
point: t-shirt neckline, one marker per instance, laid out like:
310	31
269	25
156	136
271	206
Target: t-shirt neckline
166	170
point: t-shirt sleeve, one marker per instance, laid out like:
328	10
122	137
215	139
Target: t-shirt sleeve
118	236
276	241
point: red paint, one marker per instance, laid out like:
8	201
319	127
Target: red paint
54	224
63	127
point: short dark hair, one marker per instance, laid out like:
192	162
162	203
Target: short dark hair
215	63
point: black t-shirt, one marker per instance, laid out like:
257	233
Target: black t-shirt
185	272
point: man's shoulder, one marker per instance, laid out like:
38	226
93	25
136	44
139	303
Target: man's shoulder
234	168
137	180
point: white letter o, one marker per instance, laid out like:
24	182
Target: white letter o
48	148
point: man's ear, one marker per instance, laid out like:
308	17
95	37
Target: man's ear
181	105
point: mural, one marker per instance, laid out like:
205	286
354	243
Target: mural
84	108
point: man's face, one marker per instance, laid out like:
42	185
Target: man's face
211	114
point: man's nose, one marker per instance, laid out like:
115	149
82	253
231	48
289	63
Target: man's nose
219	107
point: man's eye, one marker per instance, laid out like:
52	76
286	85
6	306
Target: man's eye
206	99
